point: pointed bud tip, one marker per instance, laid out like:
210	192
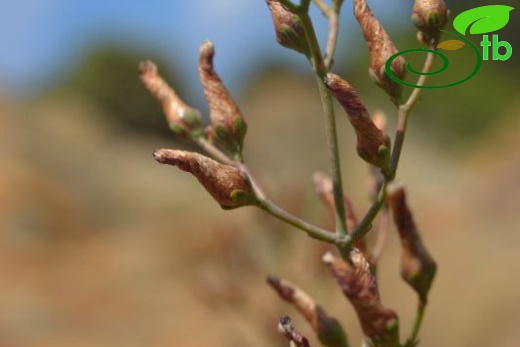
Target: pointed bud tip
207	48
147	67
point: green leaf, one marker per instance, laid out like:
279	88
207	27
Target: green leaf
483	19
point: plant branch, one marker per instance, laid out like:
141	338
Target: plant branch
366	223
412	340
405	110
402	119
333	15
312	230
318	66
324	8
263	202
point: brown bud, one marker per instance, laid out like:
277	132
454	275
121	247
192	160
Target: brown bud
429	16
329	330
323	187
372	144
417	266
227	124
226	184
295	339
380	49
359	286
288	27
182	119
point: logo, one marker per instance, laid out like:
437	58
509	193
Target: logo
480	21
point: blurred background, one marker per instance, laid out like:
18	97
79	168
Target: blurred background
101	246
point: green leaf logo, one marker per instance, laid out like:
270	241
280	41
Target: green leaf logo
483	19
451	45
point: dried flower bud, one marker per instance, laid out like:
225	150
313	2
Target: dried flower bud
286	328
182	119
324	190
417	266
373	145
227	124
226	184
429	16
380	49
380	121
288	27
359	286
329	330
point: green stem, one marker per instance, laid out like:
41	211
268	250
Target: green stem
333	33
263	202
366	223
421	307
405	110
402	121
312	230
330	126
213	151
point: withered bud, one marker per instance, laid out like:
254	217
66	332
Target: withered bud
380	49
324	190
226	184
295	339
288	27
227	124
380	121
417	266
328	329
429	16
373	145
182	119
359	285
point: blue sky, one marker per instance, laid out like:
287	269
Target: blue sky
41	39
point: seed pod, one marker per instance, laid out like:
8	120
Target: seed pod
329	330
182	119
380	49
358	284
226	184
373	145
417	266
429	16
288	27
227	124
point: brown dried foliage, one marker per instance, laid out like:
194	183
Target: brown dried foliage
417	266
359	286
226	184
370	139
380	49
227	124
181	118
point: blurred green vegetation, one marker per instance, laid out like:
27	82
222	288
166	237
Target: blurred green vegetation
108	76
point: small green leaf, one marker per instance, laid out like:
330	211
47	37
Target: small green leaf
483	19
451	45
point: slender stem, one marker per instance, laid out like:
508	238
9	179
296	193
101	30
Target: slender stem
324	8
421	307
402	120
214	151
366	223
312	230
404	112
264	203
330	127
333	15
